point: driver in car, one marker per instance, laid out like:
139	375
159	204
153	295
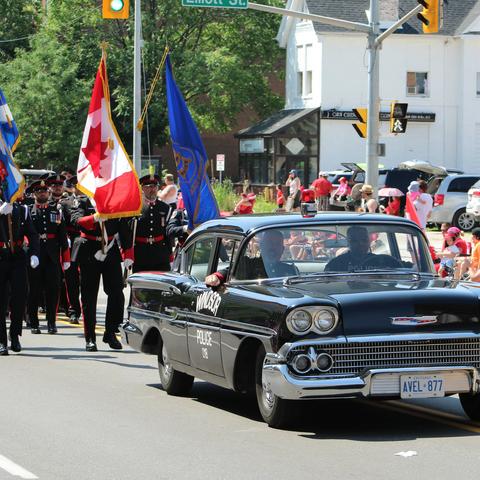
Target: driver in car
267	265
359	256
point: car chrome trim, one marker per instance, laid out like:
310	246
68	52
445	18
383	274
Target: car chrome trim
279	380
414	321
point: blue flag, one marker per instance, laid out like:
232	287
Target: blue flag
190	157
12	181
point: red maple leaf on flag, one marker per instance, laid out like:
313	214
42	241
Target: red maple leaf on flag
94	151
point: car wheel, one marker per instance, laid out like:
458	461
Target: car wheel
463	220
173	382
471	404
275	411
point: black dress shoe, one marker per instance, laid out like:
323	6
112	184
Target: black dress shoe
15	345
74	319
91	347
112	341
3	349
52	330
36	331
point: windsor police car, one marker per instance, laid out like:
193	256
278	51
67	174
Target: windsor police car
334	306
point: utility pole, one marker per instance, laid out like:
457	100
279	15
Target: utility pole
373	122
374	44
137	88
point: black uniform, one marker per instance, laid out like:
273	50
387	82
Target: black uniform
13	269
91	269
49	224
72	275
152	245
177	229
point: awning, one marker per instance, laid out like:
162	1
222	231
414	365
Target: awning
275	123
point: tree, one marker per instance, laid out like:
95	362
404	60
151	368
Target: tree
222	61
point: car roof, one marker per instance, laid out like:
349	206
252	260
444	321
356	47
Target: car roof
245	224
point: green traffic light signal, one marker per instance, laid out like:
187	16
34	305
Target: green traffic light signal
116	5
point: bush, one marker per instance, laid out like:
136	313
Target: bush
263	206
225	195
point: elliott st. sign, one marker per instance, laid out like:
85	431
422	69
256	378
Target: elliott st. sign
216	3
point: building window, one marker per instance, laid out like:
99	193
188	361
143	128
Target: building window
478	84
305	70
417	84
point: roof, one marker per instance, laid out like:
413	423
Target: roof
455	12
273	124
245	224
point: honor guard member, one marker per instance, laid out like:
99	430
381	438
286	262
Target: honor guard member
177	229
98	255
13	270
55	185
48	222
72	275
152	246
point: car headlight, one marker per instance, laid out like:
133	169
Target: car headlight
299	321
325	319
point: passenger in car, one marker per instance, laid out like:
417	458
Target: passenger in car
267	265
359	256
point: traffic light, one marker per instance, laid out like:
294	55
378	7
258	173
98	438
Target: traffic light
361	127
431	15
398	117
117	9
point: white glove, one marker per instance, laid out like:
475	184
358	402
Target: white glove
128	262
34	261
6	208
66	265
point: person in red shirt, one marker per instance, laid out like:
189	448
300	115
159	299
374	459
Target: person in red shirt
459	242
280	196
245	204
393	207
322	188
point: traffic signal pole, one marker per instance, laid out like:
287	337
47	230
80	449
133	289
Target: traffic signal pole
373	122
137	89
374	44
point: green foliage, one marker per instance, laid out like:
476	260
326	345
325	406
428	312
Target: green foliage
222	61
264	206
225	195
227	198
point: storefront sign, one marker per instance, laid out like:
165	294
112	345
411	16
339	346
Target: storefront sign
251	145
384	116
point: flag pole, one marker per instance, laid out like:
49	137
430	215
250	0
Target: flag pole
137	89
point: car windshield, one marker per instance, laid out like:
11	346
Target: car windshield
332	249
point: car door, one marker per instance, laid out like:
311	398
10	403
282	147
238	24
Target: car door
204	324
203	327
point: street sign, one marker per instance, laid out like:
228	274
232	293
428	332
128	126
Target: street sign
216	3
220	162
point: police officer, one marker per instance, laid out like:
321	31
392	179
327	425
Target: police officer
13	270
177	228
72	275
49	224
152	246
98	255
55	185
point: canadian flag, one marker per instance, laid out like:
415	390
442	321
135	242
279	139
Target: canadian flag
105	171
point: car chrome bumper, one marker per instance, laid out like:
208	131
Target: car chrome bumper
277	378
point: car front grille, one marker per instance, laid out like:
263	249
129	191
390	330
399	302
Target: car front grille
351	359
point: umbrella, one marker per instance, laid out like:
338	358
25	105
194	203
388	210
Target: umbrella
390	192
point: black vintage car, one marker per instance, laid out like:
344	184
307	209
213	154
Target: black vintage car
334	306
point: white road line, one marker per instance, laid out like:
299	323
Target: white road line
14	469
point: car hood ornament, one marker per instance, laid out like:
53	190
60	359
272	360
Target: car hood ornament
414	321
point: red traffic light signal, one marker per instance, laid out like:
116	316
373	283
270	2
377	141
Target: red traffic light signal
116	9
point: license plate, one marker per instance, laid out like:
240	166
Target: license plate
422	386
